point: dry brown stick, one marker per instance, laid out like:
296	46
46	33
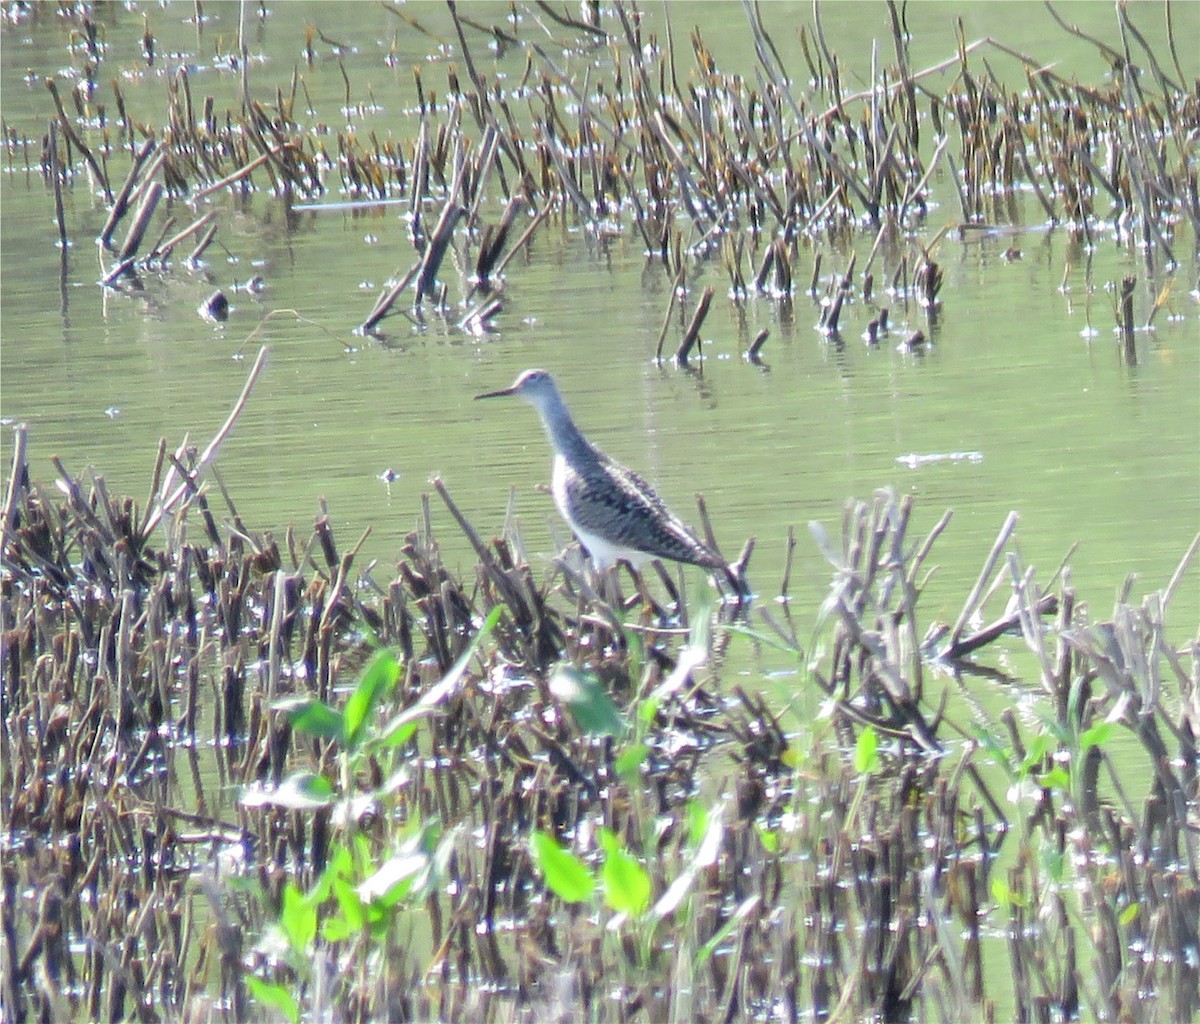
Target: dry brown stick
56	177
17	479
155	481
1106	51
485	160
692	334
490	253
164	250
76	141
1177	575
481	549
387	300
789	553
568	22
968	609
166	504
564	175
141	220
121	203
439	241
526	235
676	286
992	631
1171	43
480	84
156	249
237	175
756	345
205	241
510	593
1125	321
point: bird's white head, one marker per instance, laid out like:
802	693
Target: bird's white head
537	387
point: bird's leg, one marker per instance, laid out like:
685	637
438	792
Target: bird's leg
673	591
651	607
618	595
607	585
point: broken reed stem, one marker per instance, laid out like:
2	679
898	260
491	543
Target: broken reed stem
526	235
789	553
166	504
164	250
985	574
17	482
757	344
141	220
204	242
989	633
237	175
56	178
387	300
692	334
439	241
489	253
76	141
121	203
676	287
1128	286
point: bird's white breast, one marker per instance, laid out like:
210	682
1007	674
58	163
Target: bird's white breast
604	553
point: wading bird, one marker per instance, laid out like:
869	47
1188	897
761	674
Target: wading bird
615	514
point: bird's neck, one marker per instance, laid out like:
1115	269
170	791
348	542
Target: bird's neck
561	429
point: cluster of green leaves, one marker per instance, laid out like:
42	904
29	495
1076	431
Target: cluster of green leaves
362	891
621	883
355	896
1048	760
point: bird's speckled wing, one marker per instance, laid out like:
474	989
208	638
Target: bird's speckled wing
615	503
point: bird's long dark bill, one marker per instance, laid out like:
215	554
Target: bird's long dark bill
495	394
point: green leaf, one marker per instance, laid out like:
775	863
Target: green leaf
629	764
587	700
274	996
353	915
336	929
311	716
373	685
1055	864
697	822
627	885
565	874
1129	914
866	752
768	838
298	918
1097	735
1039	747
1056	778
1002	893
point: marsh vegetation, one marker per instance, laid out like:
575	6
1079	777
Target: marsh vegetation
249	771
